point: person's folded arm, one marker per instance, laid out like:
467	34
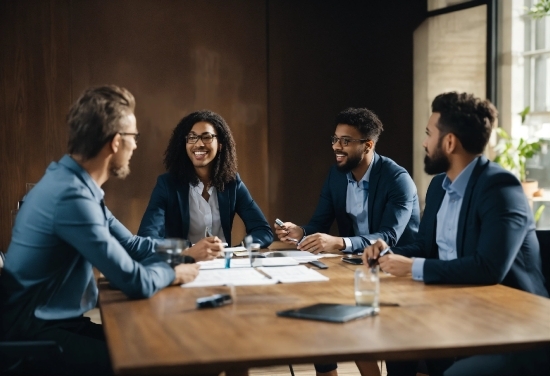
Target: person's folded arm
153	221
81	222
504	225
254	220
397	211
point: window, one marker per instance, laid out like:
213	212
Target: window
529	86
536	91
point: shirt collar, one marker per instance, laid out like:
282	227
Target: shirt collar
364	182
458	187
73	165
199	187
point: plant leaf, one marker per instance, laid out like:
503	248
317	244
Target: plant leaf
524	113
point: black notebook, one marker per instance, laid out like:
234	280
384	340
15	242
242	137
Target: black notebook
329	312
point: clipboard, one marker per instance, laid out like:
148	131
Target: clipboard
329	312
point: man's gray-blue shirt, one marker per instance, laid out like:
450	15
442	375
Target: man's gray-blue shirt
357	206
61	231
447	219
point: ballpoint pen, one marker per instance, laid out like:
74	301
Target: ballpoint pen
384	252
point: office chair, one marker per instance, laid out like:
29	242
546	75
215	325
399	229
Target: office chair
16	355
544	241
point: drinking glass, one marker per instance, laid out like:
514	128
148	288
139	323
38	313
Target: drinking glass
170	250
367	286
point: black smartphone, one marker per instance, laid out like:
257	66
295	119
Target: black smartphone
214	301
353	260
318	264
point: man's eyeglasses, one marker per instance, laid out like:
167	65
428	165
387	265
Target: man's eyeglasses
346	140
136	135
206	138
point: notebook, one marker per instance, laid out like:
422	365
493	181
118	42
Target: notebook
329	312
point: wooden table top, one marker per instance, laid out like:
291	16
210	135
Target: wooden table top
167	334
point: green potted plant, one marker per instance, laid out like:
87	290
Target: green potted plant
540	9
513	153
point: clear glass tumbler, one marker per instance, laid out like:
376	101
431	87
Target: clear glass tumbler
169	250
367	286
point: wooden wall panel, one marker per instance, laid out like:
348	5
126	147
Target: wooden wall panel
34	96
323	58
177	57
304	61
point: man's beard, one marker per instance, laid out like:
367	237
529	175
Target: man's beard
438	163
119	171
351	163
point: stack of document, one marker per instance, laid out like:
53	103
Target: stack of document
250	276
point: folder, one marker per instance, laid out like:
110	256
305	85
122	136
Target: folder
329	312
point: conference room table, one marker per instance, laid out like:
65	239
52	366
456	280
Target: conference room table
167	334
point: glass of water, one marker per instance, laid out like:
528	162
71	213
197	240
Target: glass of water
170	250
367	286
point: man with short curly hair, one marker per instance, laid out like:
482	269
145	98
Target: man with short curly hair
369	196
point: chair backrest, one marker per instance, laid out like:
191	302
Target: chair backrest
544	242
15	355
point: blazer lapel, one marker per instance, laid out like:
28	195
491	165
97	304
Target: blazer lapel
224	204
374	178
182	190
436	200
465	208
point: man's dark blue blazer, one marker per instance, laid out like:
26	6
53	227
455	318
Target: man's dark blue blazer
496	240
393	210
167	215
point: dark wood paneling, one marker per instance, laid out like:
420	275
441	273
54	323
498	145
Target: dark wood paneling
177	57
34	96
324	57
312	58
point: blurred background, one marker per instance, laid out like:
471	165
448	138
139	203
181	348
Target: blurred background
277	70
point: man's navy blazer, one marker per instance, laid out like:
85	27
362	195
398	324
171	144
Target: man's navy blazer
167	215
496	240
393	211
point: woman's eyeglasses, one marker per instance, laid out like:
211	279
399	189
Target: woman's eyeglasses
206	138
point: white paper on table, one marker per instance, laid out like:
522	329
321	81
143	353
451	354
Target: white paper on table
238	250
220	264
235	277
303	257
291	274
245	263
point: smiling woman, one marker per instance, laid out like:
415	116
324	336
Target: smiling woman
202	190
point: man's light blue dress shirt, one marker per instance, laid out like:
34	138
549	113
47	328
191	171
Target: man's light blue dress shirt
447	219
61	231
357	205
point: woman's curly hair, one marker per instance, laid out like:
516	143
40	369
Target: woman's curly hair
224	166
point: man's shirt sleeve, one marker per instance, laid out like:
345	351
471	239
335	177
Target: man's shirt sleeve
86	225
418	269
